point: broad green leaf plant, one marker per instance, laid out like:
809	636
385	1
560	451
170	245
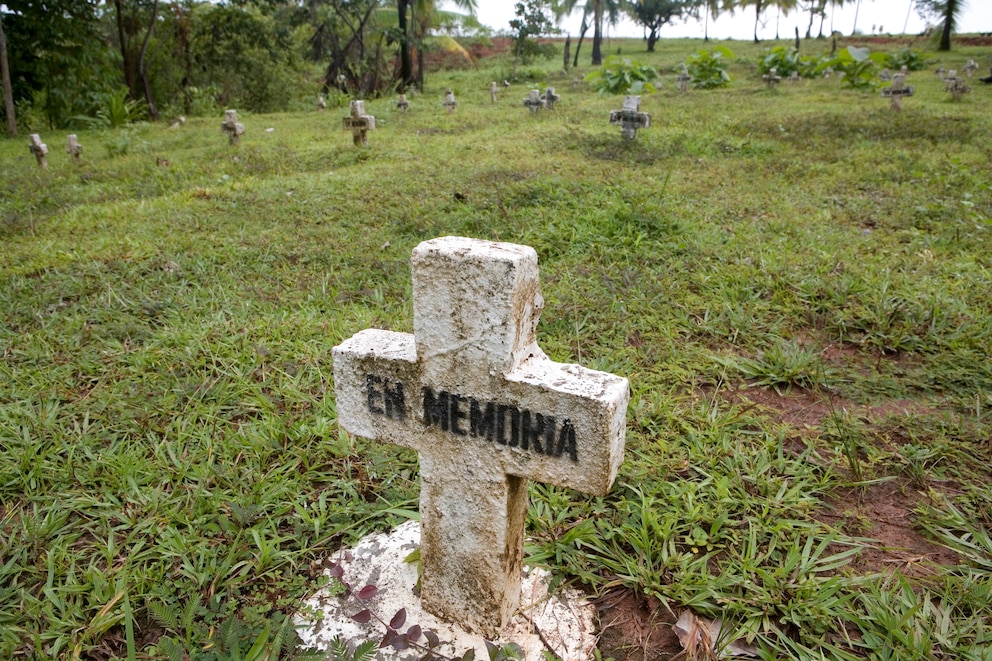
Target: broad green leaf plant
622	75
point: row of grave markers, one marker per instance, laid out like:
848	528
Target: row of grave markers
629	118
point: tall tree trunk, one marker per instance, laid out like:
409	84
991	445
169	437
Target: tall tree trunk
706	24
8	90
582	35
406	64
127	62
949	16
142	70
597	33
857	8
652	39
757	17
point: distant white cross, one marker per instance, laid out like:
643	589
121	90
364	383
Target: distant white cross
486	410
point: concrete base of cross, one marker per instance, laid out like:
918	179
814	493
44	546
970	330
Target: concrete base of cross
562	623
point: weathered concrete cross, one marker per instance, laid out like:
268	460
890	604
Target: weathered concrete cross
683	79
630	118
897	90
358	123
486	410
534	101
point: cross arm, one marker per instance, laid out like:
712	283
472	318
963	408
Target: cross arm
372	371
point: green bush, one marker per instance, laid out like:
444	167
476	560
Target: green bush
708	68
858	66
911	58
622	75
785	61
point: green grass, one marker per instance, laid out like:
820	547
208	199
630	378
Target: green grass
170	463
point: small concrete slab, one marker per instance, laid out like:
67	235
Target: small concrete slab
562	623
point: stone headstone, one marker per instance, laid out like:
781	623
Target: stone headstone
486	410
904	70
550	98
358	123
885	75
533	101
449	101
794	77
630	118
941	72
72	147
403	103
897	90
970	68
772	78
321	103
232	127
829	71
39	149
493	92
683	79
955	85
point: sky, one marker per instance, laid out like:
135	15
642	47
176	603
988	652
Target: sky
890	15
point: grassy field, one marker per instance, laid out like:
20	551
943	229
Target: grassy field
796	282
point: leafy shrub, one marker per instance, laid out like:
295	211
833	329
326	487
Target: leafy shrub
785	61
622	75
858	65
911	58
708	68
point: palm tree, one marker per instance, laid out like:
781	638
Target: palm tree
952	16
600	10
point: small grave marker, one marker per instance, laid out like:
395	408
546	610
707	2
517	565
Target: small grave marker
955	85
533	101
970	68
897	90
232	127
772	78
72	147
828	72
178	122
449	101
403	103
550	98
630	118
940	73
358	123
321	103
39	149
683	79
486	410
885	75
493	92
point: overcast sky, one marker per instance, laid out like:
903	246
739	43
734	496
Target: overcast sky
890	15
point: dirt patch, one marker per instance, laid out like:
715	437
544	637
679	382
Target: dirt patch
806	410
635	629
884	512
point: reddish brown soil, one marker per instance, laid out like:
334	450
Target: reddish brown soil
635	629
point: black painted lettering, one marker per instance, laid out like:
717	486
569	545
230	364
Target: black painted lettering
436	408
394	399
566	441
482	422
501	423
539	434
514	426
373	393
457	413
